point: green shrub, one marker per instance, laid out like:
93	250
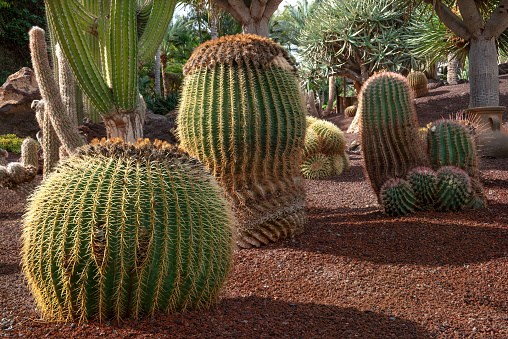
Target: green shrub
11	143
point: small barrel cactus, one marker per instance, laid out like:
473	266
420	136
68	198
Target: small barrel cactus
243	115
337	164
350	111
317	167
454	189
450	143
423	180
121	230
331	138
347	163
390	142
312	145
418	82
397	197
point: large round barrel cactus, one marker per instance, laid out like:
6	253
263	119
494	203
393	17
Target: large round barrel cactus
121	230
242	114
391	145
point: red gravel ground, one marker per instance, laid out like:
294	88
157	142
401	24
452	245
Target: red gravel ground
353	273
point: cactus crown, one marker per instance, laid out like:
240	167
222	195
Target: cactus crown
240	48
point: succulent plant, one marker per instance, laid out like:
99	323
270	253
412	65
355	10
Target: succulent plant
346	162
423	180
390	142
317	167
122	230
450	143
14	175
397	197
454	189
418	82
242	114
337	164
350	111
30	153
331	138
312	144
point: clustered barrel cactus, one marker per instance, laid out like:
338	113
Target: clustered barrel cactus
243	116
324	150
405	174
122	230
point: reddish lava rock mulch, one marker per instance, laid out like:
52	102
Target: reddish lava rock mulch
353	273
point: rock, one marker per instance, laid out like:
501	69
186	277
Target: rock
355	147
156	127
16	96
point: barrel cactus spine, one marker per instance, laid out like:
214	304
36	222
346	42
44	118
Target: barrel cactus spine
397	197
123	230
337	164
423	180
317	167
453	190
242	114
418	82
30	153
312	144
390	142
350	111
331	138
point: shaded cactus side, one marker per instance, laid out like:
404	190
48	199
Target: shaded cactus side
337	164
123	230
418	82
317	167
391	145
350	111
453	190
397	197
423	180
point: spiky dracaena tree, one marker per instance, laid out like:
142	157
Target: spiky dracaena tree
105	42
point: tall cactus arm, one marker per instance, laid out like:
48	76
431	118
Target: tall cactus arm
60	121
161	14
143	15
86	20
78	54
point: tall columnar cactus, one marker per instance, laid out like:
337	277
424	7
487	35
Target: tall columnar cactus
125	37
397	197
450	143
390	143
30	153
418	82
122	230
242	114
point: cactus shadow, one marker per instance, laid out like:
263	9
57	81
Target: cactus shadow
429	239
259	317
8	269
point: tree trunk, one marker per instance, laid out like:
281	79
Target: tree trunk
157	80
483	73
127	125
311	107
355	124
452	74
213	22
165	76
331	95
259	28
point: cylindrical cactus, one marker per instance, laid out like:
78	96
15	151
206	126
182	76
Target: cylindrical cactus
418	82
120	230
317	167
30	153
331	138
450	143
423	180
243	115
454	189
397	197
389	136
350	111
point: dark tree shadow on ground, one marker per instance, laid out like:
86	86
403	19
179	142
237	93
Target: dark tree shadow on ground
429	239
268	318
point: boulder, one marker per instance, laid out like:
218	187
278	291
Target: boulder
16	96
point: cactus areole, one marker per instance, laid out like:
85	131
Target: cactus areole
243	116
128	37
119	230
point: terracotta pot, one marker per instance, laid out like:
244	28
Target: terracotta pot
495	142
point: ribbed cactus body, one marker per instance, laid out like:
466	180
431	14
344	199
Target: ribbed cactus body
423	180
337	164
390	143
418	82
350	111
317	167
30	153
331	138
397	197
454	189
312	145
243	116
450	143
121	230
347	163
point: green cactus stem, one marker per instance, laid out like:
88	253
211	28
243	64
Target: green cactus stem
122	230
337	164
347	162
423	180
454	189
30	153
350	111
478	198
397	197
450	143
243	116
389	136
331	138
418	82
312	145
317	167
